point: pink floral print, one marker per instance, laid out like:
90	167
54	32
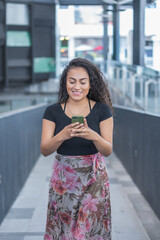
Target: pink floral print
79	199
89	203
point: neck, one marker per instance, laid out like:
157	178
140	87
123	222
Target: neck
77	103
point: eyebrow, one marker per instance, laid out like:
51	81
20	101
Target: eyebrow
79	79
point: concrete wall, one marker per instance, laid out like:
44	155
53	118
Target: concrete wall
20	133
137	145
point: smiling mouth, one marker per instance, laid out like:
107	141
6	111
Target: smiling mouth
76	93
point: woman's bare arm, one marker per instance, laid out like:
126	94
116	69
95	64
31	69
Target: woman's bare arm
103	142
49	142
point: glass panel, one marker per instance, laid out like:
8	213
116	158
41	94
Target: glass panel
18	39
126	34
42	65
81	35
17	14
87	14
135	86
152	35
19	103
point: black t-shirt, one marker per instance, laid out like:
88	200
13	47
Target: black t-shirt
77	146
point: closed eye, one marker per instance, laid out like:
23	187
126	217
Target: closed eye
81	83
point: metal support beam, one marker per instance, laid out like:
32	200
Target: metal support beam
138	32
32	1
6	81
80	2
116	39
105	35
32	40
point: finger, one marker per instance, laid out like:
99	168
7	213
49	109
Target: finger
74	124
78	134
85	122
79	130
79	126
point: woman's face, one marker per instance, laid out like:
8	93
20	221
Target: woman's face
78	83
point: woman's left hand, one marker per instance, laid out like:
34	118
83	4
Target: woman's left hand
84	132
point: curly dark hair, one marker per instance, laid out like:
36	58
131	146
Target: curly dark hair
98	92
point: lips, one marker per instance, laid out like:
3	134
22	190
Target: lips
76	93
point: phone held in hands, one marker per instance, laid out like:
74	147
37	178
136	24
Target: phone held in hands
79	119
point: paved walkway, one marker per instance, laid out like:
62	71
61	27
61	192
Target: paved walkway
132	218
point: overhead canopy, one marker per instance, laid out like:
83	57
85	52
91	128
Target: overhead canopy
80	2
94	2
99	2
30	1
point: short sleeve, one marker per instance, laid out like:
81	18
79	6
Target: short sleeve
105	112
49	114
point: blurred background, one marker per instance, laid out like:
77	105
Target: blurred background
38	38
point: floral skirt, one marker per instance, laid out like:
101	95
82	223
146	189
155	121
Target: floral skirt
79	199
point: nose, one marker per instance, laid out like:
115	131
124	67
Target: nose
77	85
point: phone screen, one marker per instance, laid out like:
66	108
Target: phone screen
79	119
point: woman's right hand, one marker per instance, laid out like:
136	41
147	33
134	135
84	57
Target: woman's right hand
67	130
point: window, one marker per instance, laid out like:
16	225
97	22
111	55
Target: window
17	14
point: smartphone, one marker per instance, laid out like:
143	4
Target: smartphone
79	119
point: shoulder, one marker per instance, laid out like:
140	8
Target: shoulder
104	111
92	102
50	111
100	105
103	105
52	107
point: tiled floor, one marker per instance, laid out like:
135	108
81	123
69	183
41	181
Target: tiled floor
27	216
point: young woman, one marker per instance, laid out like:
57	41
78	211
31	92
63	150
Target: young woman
79	196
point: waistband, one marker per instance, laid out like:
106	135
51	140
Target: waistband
79	156
98	162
